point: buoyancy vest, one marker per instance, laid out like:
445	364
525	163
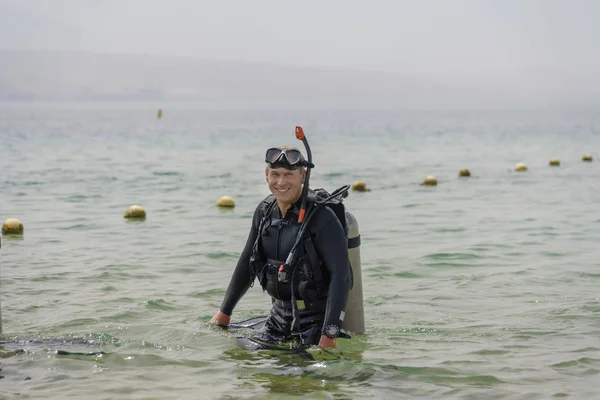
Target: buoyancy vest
309	276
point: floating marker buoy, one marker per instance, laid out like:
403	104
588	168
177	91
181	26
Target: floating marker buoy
12	226
135	211
430	181
159	113
464	172
586	157
554	162
225	201
520	167
360	186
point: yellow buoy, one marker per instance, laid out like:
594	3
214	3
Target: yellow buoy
464	172
159	113
135	211
225	201
555	162
430	181
12	226
360	186
586	157
520	167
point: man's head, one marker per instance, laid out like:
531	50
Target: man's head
285	173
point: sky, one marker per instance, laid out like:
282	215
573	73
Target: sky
522	41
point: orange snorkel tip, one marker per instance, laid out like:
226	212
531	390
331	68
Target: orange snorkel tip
300	136
301	215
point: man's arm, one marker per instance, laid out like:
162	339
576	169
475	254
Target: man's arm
331	244
242	277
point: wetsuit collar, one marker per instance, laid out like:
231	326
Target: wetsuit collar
293	212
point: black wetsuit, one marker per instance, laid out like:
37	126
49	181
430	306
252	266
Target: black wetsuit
277	239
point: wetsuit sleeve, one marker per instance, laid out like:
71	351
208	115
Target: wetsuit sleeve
242	275
332	247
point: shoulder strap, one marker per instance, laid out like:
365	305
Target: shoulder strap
313	258
266	204
266	207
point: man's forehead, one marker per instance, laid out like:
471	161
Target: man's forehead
281	170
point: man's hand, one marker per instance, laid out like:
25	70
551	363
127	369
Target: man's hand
220	318
327	343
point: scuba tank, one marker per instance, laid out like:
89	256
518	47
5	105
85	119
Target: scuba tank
354	320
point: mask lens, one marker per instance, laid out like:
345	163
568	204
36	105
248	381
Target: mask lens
293	156
272	155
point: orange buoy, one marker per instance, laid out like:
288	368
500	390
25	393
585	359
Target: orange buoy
360	186
520	167
430	181
135	211
12	226
225	201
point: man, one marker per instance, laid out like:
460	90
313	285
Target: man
319	281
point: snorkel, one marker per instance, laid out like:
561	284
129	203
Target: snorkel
282	272
300	136
303	218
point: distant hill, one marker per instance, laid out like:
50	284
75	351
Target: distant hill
70	75
75	75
